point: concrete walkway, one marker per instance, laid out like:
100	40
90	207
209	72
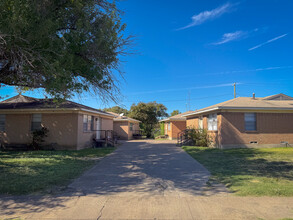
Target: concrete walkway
146	180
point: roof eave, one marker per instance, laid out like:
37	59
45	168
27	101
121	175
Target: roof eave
97	112
238	108
203	111
126	119
55	109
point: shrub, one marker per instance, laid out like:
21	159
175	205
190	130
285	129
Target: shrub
38	137
199	137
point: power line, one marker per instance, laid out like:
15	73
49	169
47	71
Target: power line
183	100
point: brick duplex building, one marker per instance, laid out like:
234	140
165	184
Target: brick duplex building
174	125
247	122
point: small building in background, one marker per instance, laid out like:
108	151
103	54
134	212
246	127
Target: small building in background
71	126
125	128
247	122
174	125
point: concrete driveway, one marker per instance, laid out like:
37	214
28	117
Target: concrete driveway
146	180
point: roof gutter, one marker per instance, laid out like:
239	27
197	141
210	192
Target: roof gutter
164	120
203	111
126	119
55	109
100	113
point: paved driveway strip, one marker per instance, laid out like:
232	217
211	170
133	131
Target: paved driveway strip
146	180
145	168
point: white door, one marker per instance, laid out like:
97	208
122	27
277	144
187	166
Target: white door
98	128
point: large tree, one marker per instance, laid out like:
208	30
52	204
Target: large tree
149	114
175	112
63	46
117	109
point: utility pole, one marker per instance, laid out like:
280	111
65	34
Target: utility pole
234	90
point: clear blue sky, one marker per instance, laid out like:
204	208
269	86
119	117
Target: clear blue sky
201	48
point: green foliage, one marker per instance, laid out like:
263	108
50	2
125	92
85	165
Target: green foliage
149	114
162	128
199	137
63	46
117	109
175	112
31	171
249	172
38	137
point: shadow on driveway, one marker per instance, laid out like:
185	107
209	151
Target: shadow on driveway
138	167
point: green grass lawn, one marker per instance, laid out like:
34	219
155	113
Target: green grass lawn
33	171
257	172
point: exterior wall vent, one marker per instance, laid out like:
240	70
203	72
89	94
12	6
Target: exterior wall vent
253	142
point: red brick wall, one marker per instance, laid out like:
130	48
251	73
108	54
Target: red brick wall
177	127
272	128
214	135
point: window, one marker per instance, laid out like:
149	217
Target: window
212	122
88	123
2	122
169	126
36	122
250	121
200	123
131	127
84	122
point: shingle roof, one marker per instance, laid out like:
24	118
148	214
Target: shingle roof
118	117
179	117
270	102
25	102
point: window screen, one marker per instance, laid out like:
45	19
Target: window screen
200	123
212	122
2	122
85	120
250	121
36	122
131	127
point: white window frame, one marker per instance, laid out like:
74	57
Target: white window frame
169	126
2	122
36	123
213	122
88	123
250	120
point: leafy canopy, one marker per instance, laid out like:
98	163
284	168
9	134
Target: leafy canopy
117	109
149	114
63	46
175	112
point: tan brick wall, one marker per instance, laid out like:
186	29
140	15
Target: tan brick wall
272	128
62	130
121	128
107	124
192	123
85	138
135	128
17	129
